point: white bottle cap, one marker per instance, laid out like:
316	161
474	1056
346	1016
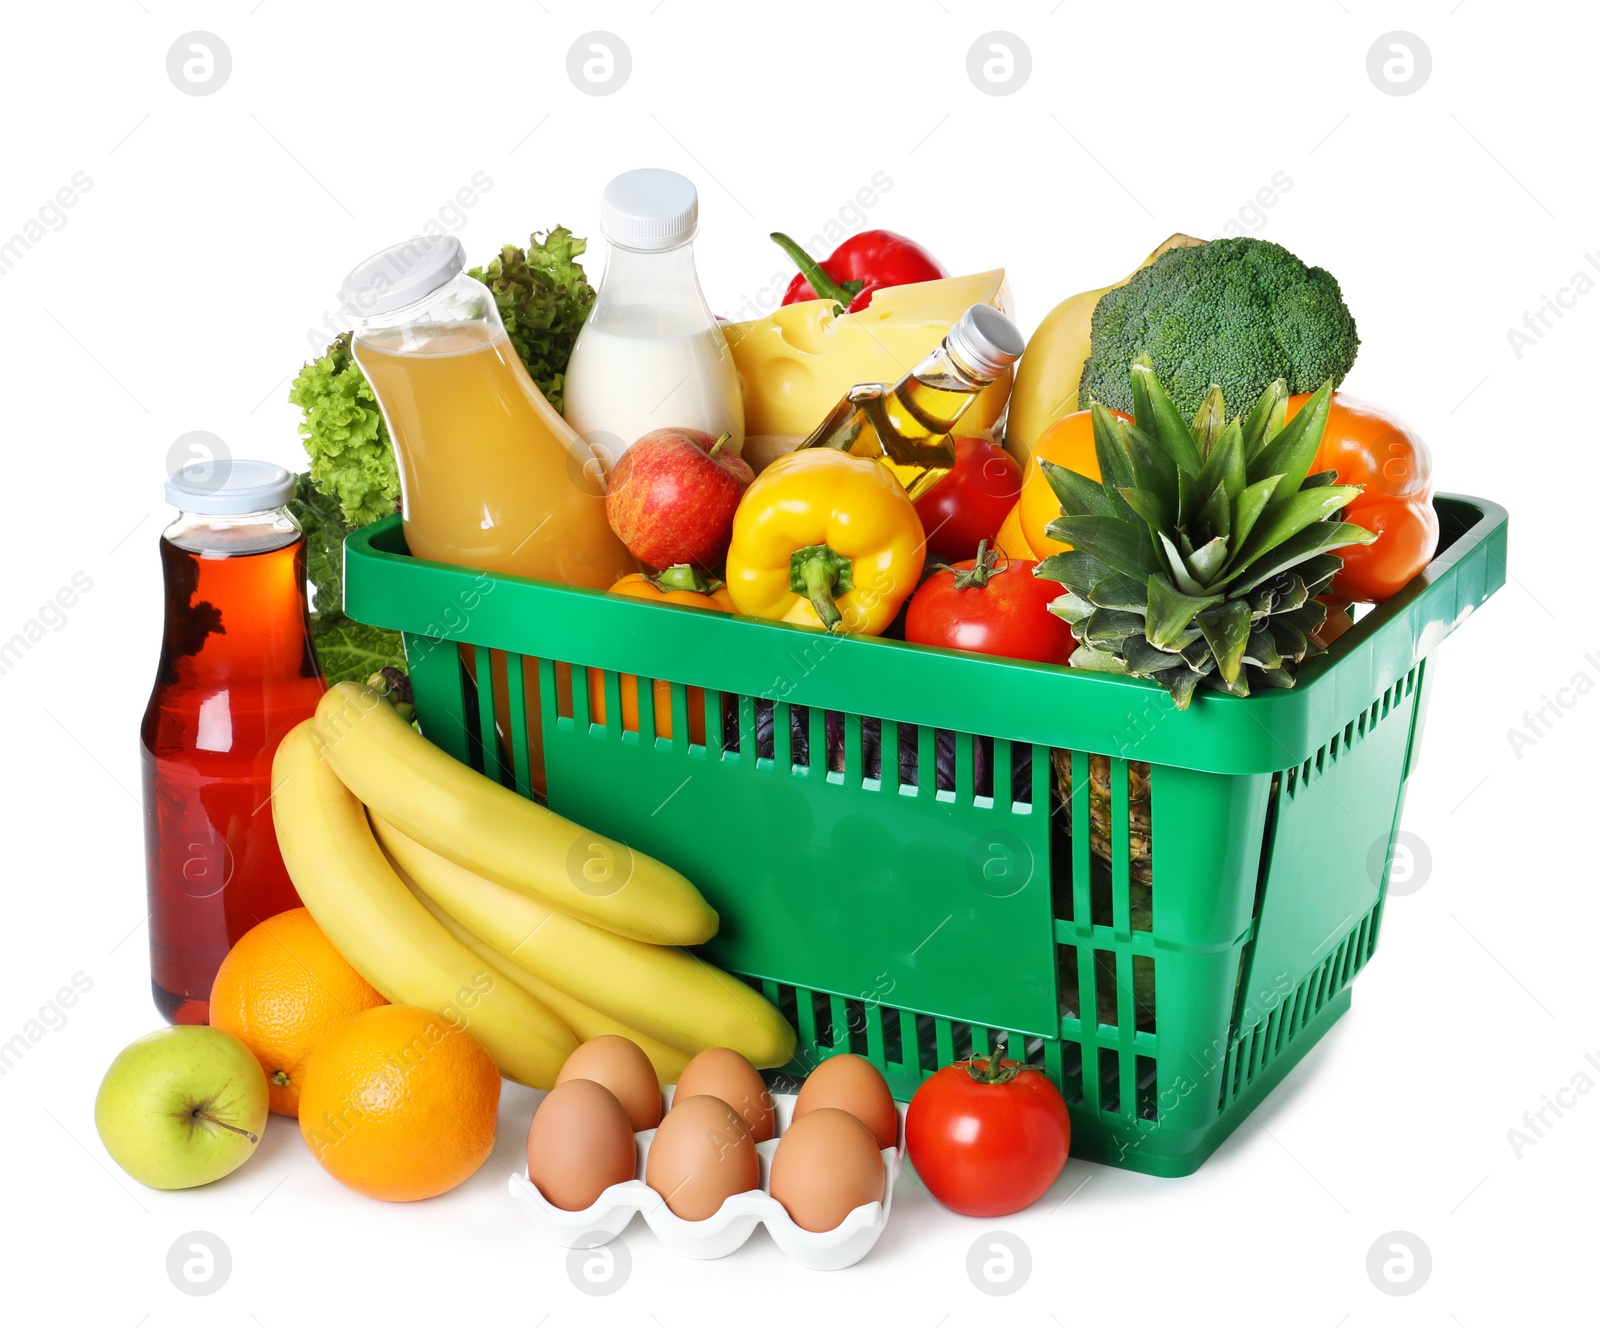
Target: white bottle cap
401	274
649	209
986	339
224	487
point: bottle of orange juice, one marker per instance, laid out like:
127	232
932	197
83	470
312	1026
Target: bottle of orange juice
491	476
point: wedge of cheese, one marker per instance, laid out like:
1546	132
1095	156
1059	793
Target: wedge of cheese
797	362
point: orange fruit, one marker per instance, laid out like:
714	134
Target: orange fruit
1068	442
279	991
399	1103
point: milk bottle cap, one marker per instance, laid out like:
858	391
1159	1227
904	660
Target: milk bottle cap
649	209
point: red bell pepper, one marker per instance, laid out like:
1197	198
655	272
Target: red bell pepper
1366	445
864	263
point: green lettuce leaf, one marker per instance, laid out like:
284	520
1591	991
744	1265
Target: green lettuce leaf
324	529
352	651
543	297
344	435
345	648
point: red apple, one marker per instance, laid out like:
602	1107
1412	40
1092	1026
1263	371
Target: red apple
672	495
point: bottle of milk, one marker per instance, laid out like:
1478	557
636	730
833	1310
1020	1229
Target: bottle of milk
651	355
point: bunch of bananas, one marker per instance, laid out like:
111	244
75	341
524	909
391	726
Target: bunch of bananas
445	890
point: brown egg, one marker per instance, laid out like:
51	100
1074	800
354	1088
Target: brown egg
826	1164
854	1085
702	1153
618	1064
579	1144
723	1073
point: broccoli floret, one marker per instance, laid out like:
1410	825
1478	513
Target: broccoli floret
1239	313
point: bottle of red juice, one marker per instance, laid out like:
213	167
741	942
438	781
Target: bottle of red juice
237	672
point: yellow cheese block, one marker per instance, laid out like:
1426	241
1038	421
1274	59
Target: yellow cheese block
797	362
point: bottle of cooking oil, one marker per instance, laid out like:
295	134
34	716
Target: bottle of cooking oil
906	425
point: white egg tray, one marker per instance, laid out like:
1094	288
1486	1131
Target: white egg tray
730	1226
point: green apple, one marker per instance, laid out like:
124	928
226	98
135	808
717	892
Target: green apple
182	1107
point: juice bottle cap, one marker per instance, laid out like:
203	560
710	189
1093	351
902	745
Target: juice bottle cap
649	209
986	339
224	487
401	274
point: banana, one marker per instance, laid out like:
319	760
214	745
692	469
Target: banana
1047	376
585	1022
386	935
498	834
666	993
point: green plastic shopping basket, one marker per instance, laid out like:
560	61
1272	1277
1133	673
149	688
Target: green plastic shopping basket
914	851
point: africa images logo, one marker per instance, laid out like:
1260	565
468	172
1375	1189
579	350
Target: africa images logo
51	617
52	1017
1539	721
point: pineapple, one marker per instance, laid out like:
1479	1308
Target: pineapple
1097	825
1198	556
1100	809
1196	560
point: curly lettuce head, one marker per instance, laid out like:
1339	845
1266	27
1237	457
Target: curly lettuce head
543	297
345	437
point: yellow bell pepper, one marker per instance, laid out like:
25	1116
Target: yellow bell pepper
825	539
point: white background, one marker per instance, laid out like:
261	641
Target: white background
177	295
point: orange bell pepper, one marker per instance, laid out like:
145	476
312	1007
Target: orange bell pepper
677	585
1364	444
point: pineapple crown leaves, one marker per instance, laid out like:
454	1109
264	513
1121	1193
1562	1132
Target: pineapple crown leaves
1198	555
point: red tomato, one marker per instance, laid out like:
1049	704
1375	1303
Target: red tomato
987	1142
969	503
1004	609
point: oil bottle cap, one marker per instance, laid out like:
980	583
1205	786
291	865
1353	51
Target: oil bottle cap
401	274
649	209
224	487
986	339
